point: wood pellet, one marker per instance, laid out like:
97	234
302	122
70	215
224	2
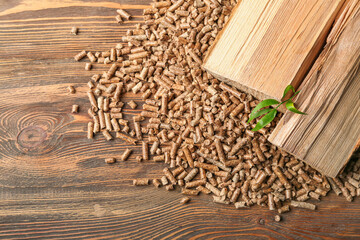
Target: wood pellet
194	123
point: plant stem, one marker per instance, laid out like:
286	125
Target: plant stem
287	100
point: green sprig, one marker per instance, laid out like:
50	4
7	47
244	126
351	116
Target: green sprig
261	109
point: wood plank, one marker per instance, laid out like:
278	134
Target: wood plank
61	188
267	45
327	136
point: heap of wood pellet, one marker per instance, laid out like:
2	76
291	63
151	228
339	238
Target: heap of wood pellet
194	123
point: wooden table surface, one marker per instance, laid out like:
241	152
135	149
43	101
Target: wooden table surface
54	182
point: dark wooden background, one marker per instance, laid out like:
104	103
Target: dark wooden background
54	182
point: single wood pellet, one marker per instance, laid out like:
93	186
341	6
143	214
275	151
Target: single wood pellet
141	182
194	123
123	14
132	104
75	109
74	30
277	218
156	183
126	154
71	89
145	151
90	132
107	135
185	200
80	55
110	160
88	66
303	205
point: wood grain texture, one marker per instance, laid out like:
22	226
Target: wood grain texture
268	45
54	182
330	97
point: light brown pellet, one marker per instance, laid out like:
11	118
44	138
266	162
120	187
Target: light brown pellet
145	151
75	109
108	122
90	131
164	180
192	192
277	218
107	135
188	157
213	189
156	183
88	66
71	89
185	200
190	175
195	183
284	209
220	150
74	30
141	182
240	204
169	187
102	119
123	14
271	202
209	167
118	19
80	55
110	160
132	104
91	57
115	125
138	130
303	205
125	154
92	101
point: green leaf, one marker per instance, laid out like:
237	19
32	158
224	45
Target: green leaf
265	103
259	113
287	89
290	105
265	120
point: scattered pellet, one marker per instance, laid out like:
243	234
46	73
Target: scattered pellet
80	55
138	158
284	209
126	154
185	200
132	104
240	204
126	138
141	182
74	30
303	205
277	218
107	135
88	66
123	14
90	131
110	160
75	108
192	192
156	183
71	89
145	151
169	187
164	180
